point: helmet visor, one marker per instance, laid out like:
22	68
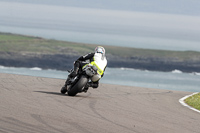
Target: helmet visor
100	50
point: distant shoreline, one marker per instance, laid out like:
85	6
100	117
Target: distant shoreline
64	62
27	51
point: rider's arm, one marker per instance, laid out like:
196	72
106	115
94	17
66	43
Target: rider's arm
86	57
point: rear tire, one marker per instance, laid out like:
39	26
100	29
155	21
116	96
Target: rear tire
78	86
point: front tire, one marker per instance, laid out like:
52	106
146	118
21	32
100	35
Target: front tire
63	90
78	86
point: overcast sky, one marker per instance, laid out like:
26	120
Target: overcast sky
159	24
185	7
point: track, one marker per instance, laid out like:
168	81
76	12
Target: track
35	105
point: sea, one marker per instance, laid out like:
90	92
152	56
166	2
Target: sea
174	80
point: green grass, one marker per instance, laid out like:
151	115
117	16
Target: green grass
29	44
194	101
20	43
13	37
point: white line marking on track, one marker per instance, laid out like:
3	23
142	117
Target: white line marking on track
184	104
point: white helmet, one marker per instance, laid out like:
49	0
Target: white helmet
100	49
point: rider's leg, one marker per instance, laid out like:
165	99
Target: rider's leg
73	74
76	68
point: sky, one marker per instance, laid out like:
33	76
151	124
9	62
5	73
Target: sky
185	7
155	24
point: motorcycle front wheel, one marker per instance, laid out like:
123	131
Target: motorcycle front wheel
63	90
80	84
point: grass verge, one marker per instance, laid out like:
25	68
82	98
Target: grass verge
194	101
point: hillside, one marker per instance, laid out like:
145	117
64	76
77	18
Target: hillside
28	51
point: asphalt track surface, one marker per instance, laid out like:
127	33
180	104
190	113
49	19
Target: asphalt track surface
35	105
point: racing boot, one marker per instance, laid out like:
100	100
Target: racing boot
94	84
91	84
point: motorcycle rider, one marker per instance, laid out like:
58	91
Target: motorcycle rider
97	58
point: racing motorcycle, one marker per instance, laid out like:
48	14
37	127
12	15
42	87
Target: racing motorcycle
81	81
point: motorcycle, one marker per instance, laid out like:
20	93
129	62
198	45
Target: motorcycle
81	81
